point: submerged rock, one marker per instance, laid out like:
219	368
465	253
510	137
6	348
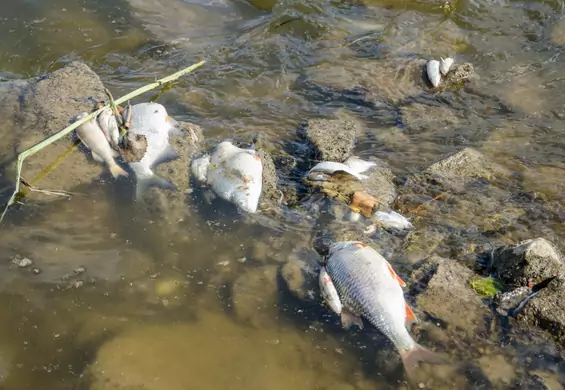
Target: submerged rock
269	191
546	310
331	139
448	297
530	261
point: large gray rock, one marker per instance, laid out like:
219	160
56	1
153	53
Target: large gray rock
455	171
269	192
448	296
331	139
546	310
532	261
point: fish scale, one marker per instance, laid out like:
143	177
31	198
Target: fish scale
367	289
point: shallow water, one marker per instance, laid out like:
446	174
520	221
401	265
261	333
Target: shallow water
194	296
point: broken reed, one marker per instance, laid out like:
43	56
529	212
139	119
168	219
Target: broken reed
55	137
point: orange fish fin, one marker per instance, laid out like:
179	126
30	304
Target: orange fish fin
359	244
410	318
395	276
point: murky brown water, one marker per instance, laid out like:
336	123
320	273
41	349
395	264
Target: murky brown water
130	299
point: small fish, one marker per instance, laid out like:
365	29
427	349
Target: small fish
109	125
432	69
330	167
369	288
445	65
235	174
93	138
152	121
359	165
329	293
392	220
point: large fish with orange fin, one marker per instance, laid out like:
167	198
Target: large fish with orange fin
369	288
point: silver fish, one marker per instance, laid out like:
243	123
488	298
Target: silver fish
109	125
152	121
331	167
432	69
392	220
329	293
359	165
369	288
445	65
93	138
235	174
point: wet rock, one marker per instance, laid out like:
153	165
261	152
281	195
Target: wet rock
380	183
51	101
300	278
420	117
331	139
212	352
542	380
532	261
455	171
449	298
546	310
21	262
258	309
270	194
558	33
497	369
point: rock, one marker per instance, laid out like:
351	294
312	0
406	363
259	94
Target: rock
497	369
269	192
258	309
455	171
546	310
300	279
558	33
380	183
331	139
449	297
52	100
532	261
212	352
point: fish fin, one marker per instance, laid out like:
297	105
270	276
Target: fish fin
395	276
145	182
348	319
168	154
410	318
97	158
175	127
418	354
117	171
362	177
359	244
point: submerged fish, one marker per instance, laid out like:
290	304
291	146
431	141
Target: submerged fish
392	220
152	121
109	125
329	293
93	138
235	174
369	288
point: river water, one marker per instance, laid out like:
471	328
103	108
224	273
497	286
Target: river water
119	302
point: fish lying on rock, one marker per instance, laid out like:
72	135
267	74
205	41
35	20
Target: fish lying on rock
151	121
233	173
109	125
94	139
436	69
369	288
353	165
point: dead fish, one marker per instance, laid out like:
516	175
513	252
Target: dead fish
445	65
329	293
432	69
152	121
369	288
359	165
109	125
234	174
392	220
329	167
94	139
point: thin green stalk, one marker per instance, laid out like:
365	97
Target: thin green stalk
55	137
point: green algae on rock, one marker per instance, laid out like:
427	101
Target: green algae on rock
487	287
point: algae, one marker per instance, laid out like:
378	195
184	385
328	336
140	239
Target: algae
487	287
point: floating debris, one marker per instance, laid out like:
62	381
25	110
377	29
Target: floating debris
21	261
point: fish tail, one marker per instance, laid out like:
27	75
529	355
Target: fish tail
117	171
145	182
418	354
